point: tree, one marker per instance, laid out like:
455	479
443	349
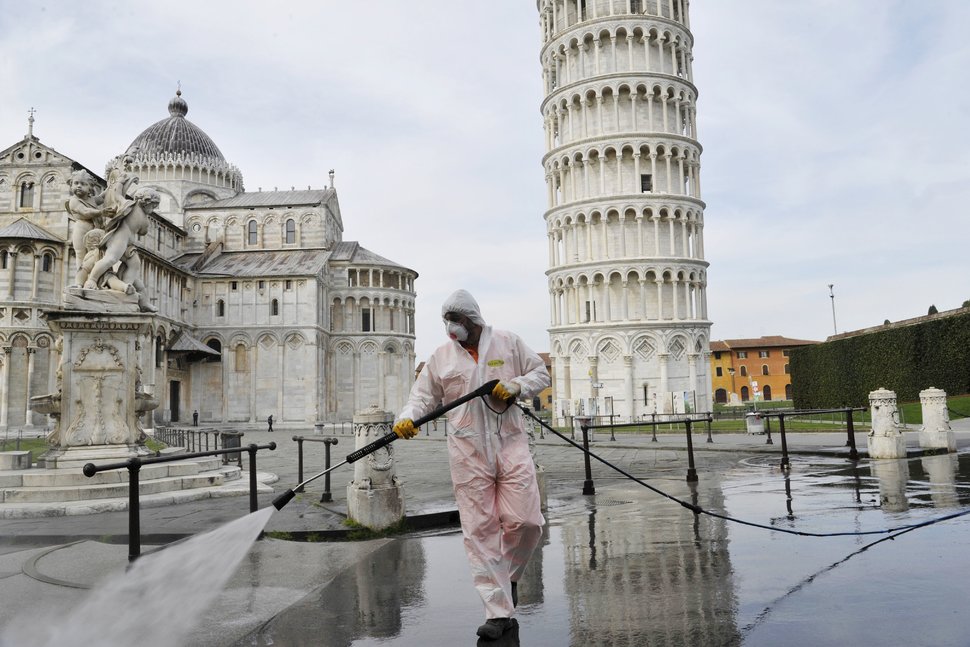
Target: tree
932	310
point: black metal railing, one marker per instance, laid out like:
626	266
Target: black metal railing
134	465
203	440
781	415
328	442
687	421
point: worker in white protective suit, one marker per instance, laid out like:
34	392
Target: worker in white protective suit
491	468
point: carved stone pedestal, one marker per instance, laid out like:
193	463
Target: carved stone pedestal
374	498
886	439
936	432
99	400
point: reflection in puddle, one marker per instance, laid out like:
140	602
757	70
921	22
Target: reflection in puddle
626	567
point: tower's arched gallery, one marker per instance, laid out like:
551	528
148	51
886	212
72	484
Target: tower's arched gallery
262	307
627	277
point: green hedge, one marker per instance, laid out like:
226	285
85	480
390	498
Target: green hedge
906	360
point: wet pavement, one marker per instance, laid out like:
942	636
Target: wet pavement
622	567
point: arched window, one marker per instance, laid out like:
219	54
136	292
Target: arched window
290	231
215	345
744	371
48	262
720	396
158	351
767	392
253	232
3	259
788	391
274	307
220	308
744	394
26	195
764	369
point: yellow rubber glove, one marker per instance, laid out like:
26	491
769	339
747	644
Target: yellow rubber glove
405	429
506	391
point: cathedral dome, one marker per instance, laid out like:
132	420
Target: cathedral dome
174	150
176	135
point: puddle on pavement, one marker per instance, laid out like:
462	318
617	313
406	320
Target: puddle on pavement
628	567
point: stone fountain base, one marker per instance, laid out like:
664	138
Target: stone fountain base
76	457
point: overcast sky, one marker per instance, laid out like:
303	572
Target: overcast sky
834	135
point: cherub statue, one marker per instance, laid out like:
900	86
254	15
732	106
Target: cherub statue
121	184
120	267
87	207
92	245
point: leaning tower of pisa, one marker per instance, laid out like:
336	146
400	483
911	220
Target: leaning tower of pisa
627	277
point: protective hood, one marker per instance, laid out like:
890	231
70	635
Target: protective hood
462	302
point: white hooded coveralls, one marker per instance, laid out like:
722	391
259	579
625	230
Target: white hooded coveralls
491	468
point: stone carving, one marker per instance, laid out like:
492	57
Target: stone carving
99	417
109	265
87	207
886	439
375	497
936	432
99	396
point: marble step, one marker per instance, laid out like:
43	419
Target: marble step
75	478
238	487
119	489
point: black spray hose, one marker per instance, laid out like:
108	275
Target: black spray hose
699	510
387	439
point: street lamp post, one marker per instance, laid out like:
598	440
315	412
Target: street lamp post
835	328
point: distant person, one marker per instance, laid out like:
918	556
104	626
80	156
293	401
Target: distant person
195	418
269	421
491	468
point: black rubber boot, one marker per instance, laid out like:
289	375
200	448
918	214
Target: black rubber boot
515	594
494	628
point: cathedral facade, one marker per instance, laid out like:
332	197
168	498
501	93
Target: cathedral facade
261	307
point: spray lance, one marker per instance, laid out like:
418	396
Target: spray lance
387	439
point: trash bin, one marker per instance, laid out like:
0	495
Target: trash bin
755	423
228	440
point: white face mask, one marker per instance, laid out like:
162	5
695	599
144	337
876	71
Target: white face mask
456	331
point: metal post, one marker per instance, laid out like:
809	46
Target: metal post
588	483
299	461
134	510
784	443
850	428
691	472
653	428
612	434
253	504
709	439
327	496
768	440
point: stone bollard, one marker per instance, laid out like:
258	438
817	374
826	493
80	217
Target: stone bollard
375	499
935	432
885	440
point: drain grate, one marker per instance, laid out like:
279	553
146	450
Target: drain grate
606	502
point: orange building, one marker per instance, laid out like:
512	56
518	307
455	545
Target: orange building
752	369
